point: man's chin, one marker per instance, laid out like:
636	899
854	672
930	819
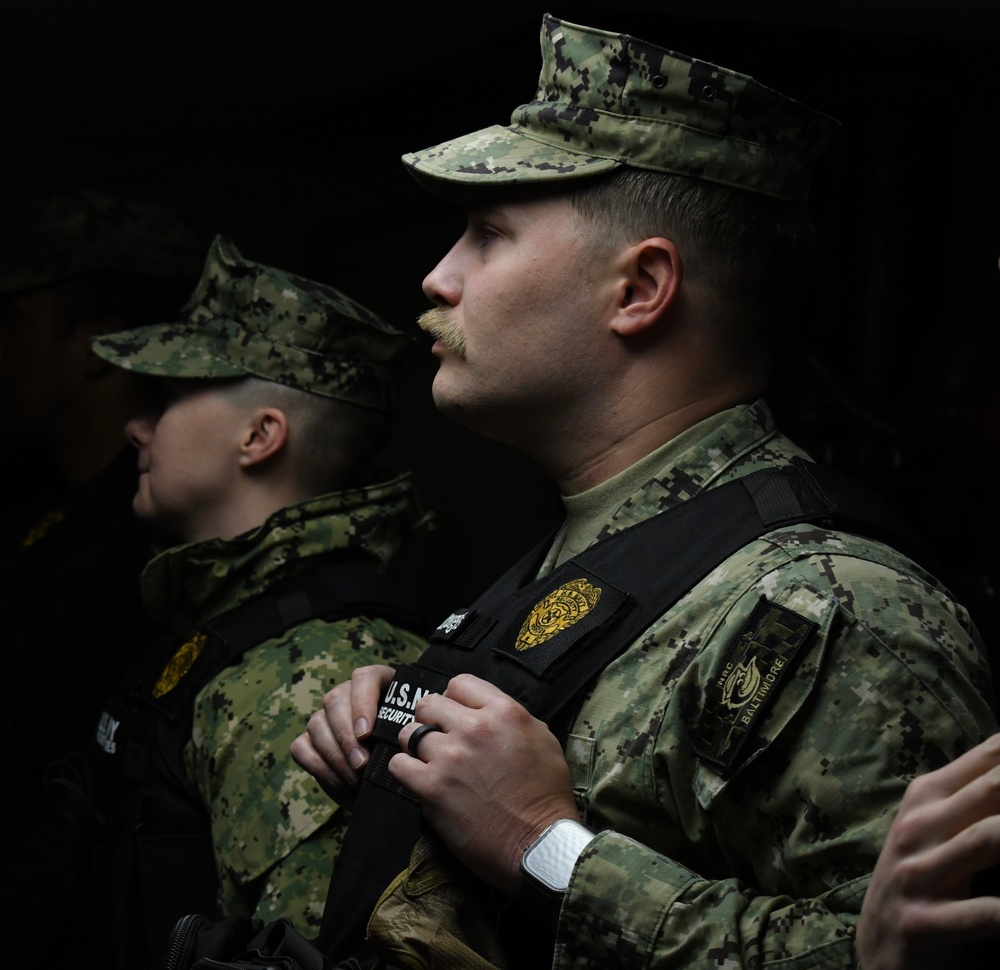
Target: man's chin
463	409
144	512
445	399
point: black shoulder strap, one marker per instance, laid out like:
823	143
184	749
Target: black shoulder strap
159	726
614	590
640	573
331	591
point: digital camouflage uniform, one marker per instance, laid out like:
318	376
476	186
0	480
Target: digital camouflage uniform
742	759
764	863
275	833
706	858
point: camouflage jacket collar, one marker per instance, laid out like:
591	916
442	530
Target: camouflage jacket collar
697	459
733	443
186	586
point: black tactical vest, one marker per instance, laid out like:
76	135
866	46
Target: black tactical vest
543	641
160	845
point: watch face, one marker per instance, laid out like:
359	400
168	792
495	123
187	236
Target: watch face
550	859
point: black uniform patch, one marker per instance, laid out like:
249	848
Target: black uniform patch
760	659
395	709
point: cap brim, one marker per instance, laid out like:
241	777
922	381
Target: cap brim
500	155
165	351
16	280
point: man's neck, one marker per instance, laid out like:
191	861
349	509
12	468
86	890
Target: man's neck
588	469
242	513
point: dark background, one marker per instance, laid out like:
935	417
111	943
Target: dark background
283	130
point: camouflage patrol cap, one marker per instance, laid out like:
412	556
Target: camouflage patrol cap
52	234
607	100
248	319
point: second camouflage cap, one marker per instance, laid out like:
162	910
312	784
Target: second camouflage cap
248	319
49	234
607	100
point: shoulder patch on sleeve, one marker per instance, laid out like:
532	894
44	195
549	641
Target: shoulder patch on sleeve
757	664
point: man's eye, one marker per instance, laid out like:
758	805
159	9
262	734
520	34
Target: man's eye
486	235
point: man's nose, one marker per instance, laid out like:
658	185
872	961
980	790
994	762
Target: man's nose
139	429
443	284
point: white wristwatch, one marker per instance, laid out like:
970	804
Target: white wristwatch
548	862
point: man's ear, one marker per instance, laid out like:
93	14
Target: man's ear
264	435
650	281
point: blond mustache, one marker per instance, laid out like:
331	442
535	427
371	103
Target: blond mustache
439	324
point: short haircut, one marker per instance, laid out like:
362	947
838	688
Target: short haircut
753	252
331	442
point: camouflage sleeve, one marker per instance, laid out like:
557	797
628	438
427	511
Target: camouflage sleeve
743	785
275	833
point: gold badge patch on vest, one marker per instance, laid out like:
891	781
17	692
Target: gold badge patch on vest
761	658
561	613
541	624
558	611
43	527
179	664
